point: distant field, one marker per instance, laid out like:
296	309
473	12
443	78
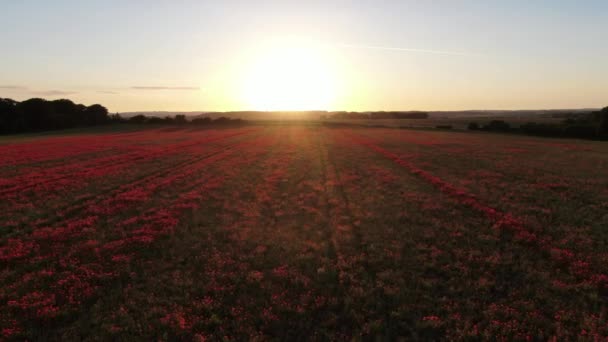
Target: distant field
456	122
281	232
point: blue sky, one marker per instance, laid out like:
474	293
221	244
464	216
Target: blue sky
389	55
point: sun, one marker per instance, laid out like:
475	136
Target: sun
290	77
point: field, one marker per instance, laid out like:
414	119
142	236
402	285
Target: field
293	232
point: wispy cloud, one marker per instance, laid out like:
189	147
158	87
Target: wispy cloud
163	88
107	92
54	92
12	87
393	48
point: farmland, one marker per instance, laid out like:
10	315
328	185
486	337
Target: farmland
284	232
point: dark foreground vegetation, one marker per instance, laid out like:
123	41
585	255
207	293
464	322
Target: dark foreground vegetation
585	126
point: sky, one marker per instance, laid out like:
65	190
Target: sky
333	55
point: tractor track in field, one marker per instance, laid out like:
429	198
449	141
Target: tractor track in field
157	244
198	181
503	221
348	245
514	175
346	201
330	236
359	242
91	165
70	209
57	158
108	264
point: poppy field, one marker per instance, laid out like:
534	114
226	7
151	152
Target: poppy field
303	232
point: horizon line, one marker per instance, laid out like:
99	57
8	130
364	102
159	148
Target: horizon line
360	111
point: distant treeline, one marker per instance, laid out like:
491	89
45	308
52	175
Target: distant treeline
179	119
36	115
377	115
585	126
41	115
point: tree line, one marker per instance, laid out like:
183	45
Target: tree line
179	119
584	126
377	115
40	115
37	114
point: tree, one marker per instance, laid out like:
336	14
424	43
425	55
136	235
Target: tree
66	113
96	114
222	120
497	125
9	120
116	118
473	126
37	114
603	122
156	120
140	118
201	121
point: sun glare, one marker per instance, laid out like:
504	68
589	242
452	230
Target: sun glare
290	77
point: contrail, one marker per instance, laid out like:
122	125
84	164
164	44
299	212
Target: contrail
163	88
437	52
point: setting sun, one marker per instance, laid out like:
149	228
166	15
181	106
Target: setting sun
290	77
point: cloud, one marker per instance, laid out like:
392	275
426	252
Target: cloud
163	88
390	48
54	92
12	87
107	92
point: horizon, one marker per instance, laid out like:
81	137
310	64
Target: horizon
360	111
274	56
